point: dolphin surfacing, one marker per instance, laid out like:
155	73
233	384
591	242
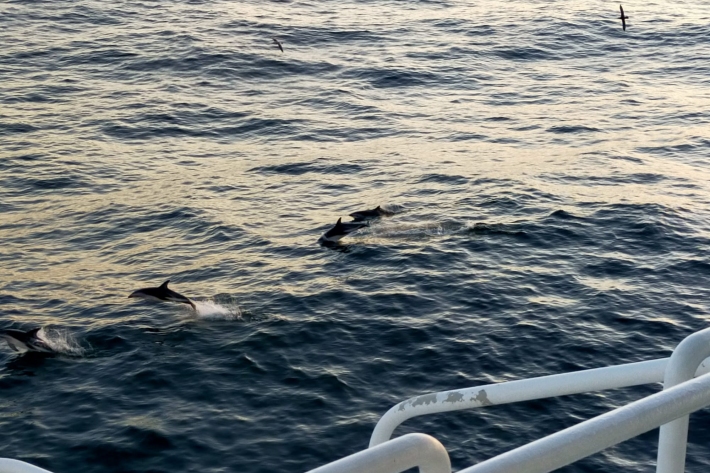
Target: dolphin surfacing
162	293
339	231
377	212
23	342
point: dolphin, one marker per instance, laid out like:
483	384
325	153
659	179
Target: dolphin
22	342
623	18
339	231
377	212
162	293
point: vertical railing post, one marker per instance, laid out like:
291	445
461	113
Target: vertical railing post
673	436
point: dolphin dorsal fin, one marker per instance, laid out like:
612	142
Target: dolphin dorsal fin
34	332
338	222
165	284
378	208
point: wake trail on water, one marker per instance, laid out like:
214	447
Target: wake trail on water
428	229
415	229
405	230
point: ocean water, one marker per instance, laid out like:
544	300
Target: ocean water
548	173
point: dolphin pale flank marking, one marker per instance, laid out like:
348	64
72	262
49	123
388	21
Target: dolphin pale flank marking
278	44
623	17
377	212
340	230
22	342
162	293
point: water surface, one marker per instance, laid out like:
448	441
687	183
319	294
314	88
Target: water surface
548	172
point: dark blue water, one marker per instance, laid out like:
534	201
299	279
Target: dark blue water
549	174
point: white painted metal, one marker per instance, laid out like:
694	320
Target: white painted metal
598	379
400	454
673	437
594	435
7	465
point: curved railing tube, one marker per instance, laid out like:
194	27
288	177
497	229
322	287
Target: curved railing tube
395	456
594	435
673	437
597	379
8	465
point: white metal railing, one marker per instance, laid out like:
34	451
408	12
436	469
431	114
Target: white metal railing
594	435
597	379
400	454
688	360
673	437
8	465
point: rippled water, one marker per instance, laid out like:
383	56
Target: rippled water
549	176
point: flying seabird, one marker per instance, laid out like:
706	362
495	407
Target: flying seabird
623	18
282	49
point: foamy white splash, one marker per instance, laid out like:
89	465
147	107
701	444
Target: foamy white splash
62	342
214	310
